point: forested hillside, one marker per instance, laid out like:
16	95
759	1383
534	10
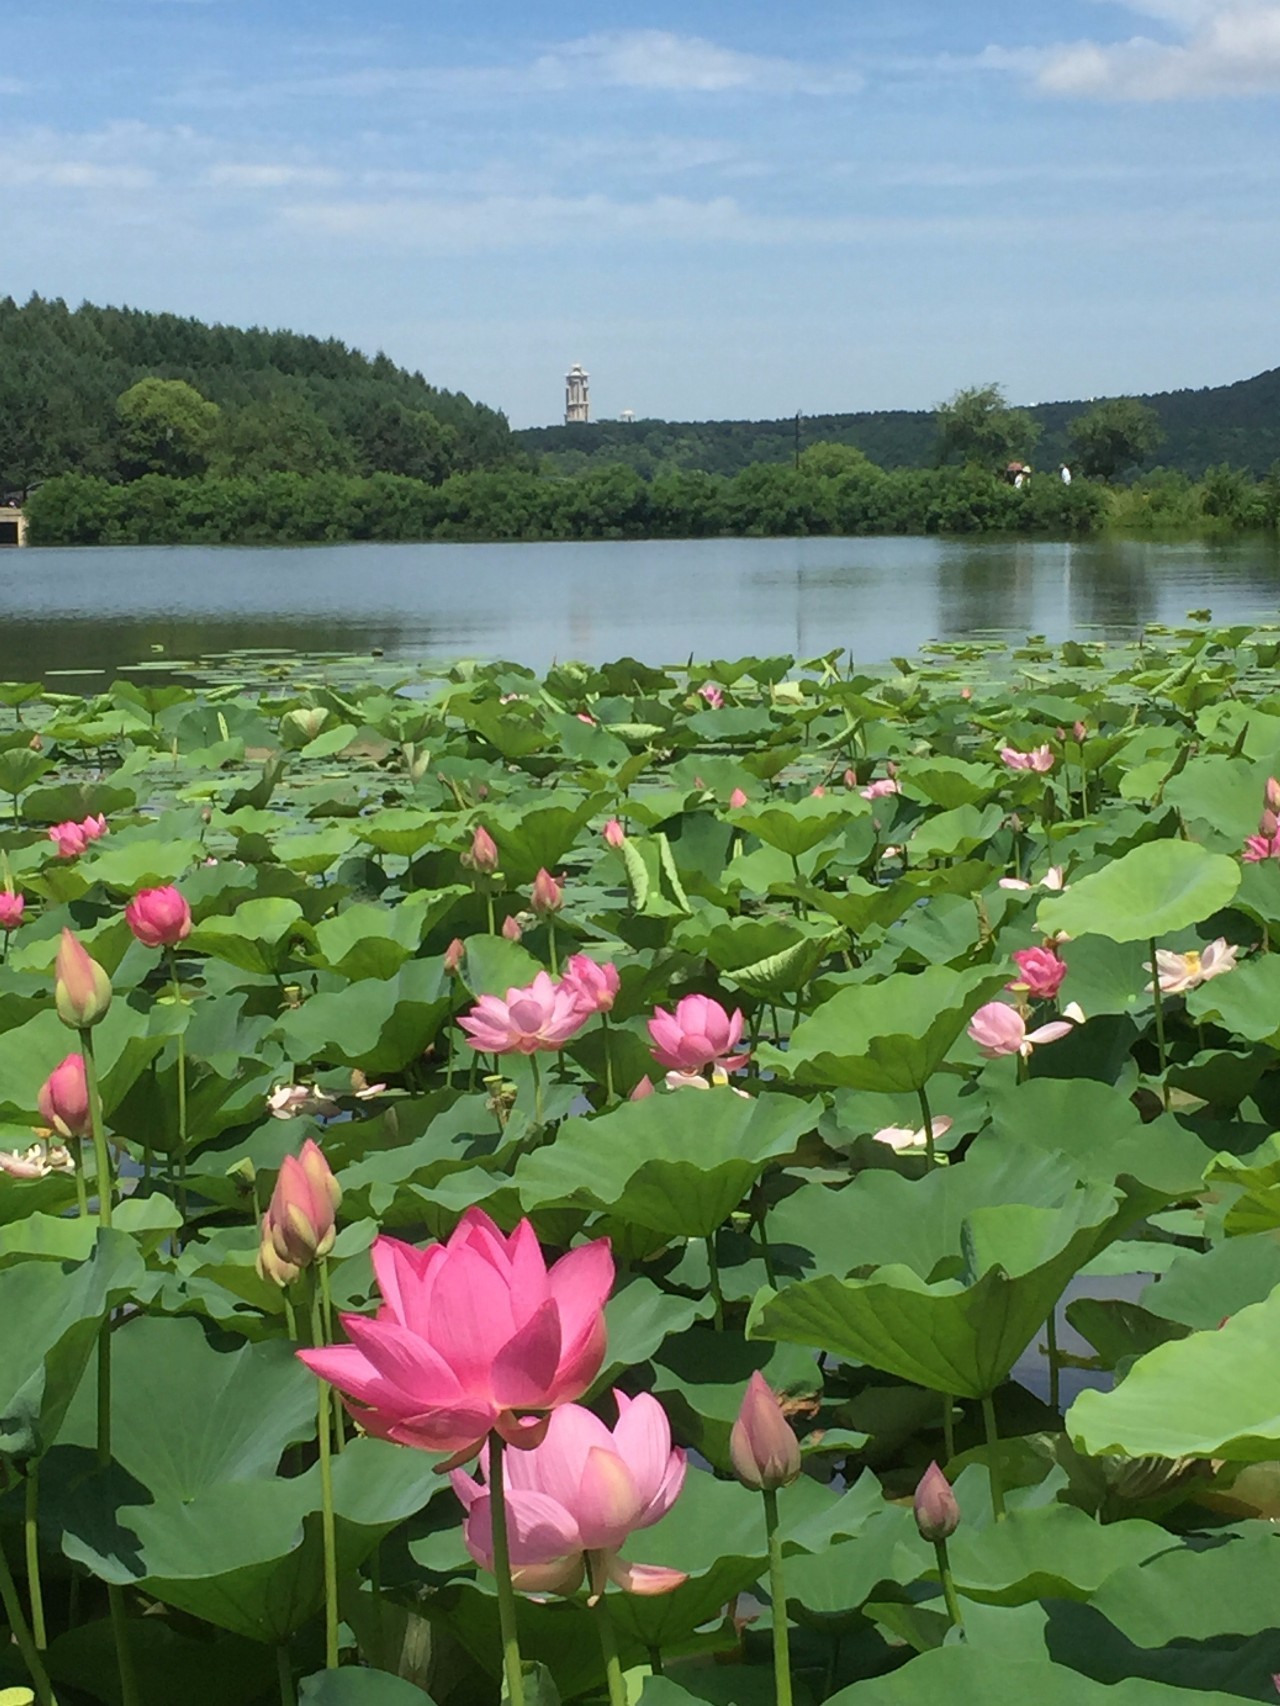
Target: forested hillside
119	393
1237	424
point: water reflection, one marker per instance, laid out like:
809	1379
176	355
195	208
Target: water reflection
99	609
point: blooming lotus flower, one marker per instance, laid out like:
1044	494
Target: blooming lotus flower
574	1499
901	1138
299	1223
614	834
594	987
712	694
1054	880
697	1034
81	988
548	895
937	1512
1040	971
738	799
37	1162
882	789
12	907
1180	972
483	856
68	838
293	1101
472	1334
1040	758
63	1100
545	1015
719	1080
159	918
999	1029
763	1448
1259	847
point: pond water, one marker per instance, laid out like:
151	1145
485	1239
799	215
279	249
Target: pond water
92	608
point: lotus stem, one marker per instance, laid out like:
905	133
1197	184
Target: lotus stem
129	1695
31	1535
655	1661
778	1600
101	1158
284	1672
551	944
1157	996
537	1090
1051	1348
488	901
766	1249
609	1095
182	1099
326	1304
609	1647
16	1619
993	1457
930	1153
328	1527
717	1295
502	1576
82	1190
948	1586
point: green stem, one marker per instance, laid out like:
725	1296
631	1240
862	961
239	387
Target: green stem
328	1529
17	1622
948	1586
537	1090
502	1576
655	1661
284	1672
778	1600
129	1695
1055	1371
766	1249
102	1160
713	1267
31	1532
488	901
1158	997
609	1096
948	1425
182	1097
326	1307
993	1457
930	1153
82	1190
609	1647
551	944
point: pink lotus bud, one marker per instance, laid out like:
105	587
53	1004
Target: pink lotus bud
511	928
966	692
712	694
737	799
271	1267
159	918
81	989
299	1222
68	838
851	778
1041	971
1268	824
643	1088
11	909
1272	794
64	1098
614	834
936	1511
483	856
762	1445
453	956
92	827
818	793
547	896
1080	731
585	717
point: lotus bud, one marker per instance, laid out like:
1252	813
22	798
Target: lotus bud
453	956
643	1088
737	799
12	907
64	1098
936	1511
272	1267
614	834
243	1175
1268	824
511	929
483	856
159	918
81	989
548	896
1273	794
300	1219
818	793
1080	731
763	1448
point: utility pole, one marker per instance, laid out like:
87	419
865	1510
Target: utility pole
798	441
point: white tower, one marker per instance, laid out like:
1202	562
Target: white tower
577	399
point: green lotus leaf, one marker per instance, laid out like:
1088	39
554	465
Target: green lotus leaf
257	937
1047	1552
398	829
1245	1001
539	834
799	827
974	1676
378	1025
950	782
1201	1288
361	1688
367	940
954	833
1147	894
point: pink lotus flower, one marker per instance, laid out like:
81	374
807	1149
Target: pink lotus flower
594	987
63	1100
12	907
585	717
614	834
697	1034
545	1015
738	799
511	928
299	1224
882	789
643	1088
1041	972
1181	972
69	838
472	1334
159	918
1260	847
483	854
763	1448
712	694
548	896
901	1138
37	1162
719	1080
1054	880
999	1029
573	1500
293	1101
1040	758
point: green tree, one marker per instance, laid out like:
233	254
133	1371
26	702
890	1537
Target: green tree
166	427
978	426
1113	436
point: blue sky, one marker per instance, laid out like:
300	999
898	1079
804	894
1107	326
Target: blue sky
722	209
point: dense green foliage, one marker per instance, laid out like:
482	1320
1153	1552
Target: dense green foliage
283	401
977	425
825	496
891	1219
1238	424
1113	437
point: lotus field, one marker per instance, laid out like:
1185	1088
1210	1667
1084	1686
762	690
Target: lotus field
742	1183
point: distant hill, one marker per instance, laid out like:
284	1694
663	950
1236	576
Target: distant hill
1238	424
285	402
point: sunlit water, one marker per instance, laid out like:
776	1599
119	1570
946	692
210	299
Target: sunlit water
101	608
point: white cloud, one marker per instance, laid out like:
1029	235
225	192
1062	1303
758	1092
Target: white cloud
1226	48
664	61
249	176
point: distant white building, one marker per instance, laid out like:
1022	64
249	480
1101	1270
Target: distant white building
577	396
627	416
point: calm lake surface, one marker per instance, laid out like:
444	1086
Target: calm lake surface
99	609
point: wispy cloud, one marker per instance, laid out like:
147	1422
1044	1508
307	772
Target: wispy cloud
1220	48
